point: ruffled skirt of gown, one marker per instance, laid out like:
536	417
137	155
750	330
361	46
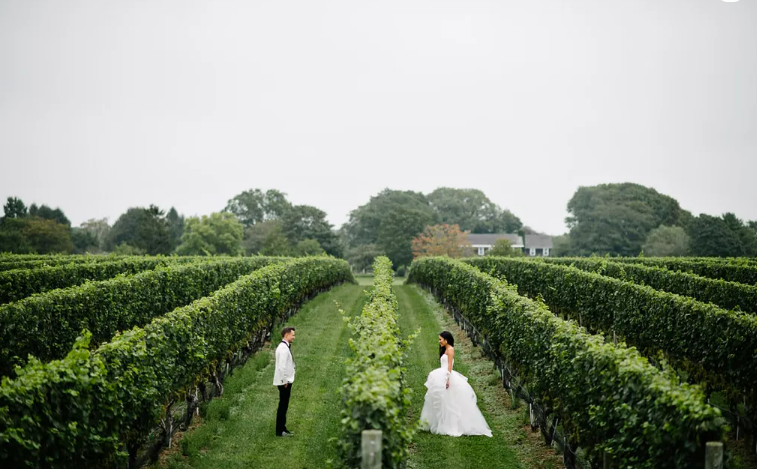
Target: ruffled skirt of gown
452	411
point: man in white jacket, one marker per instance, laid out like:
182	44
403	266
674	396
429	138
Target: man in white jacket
283	378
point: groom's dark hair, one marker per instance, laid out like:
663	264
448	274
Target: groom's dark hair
286	331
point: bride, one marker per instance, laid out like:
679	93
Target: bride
450	407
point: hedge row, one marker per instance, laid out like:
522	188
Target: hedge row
729	295
20	283
46	325
374	394
79	412
714	345
608	398
54	262
710	268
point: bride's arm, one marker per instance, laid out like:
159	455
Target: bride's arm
450	356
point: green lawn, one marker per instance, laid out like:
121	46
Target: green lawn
237	430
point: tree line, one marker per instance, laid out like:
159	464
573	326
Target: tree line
608	219
630	219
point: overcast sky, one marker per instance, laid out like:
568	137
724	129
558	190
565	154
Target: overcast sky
106	105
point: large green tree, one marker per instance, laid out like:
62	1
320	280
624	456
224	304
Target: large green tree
255	206
266	238
617	218
12	236
48	236
15	208
361	257
365	221
666	241
303	222
144	228
47	213
725	236
217	234
176	224
471	210
398	229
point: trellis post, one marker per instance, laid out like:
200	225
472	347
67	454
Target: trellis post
371	449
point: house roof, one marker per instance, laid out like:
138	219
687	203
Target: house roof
488	239
538	241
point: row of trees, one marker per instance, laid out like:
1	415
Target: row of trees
628	219
389	222
609	219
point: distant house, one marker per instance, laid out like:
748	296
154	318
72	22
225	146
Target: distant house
534	245
537	245
485	242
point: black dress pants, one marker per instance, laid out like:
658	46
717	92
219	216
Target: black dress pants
281	413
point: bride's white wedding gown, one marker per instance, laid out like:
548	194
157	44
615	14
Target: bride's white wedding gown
451	411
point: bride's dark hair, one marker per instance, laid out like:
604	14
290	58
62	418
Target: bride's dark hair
450	340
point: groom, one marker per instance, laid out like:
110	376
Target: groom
283	378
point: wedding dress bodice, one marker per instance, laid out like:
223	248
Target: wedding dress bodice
445	361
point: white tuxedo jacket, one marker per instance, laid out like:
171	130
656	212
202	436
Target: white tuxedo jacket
284	365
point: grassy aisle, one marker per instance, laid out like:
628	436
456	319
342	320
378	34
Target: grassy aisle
512	446
238	431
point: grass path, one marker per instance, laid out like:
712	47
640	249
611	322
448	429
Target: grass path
238	429
512	446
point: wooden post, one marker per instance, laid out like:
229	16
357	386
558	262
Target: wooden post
714	455
371	449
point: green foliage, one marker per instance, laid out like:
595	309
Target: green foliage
176	224
397	231
266	238
401	271
46	325
374	394
740	271
99	229
729	295
303	222
472	210
503	248
607	397
15	208
561	246
617	218
667	241
361	257
217	234
713	345
20	283
308	247
253	206
12	236
143	228
48	236
721	236
27	235
101	400
47	213
50	261
124	249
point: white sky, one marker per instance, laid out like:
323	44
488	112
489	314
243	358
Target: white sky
106	105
